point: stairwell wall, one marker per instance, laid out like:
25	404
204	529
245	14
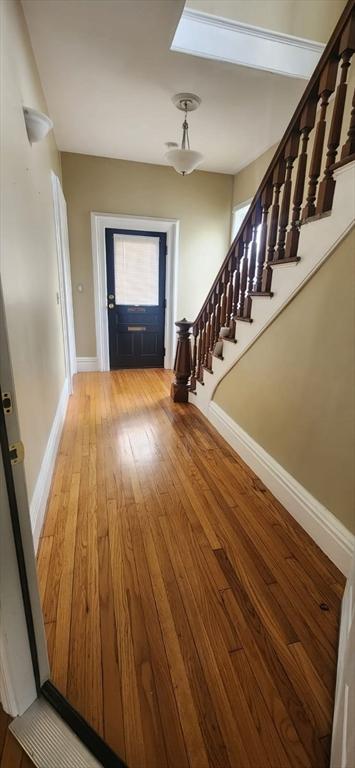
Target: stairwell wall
293	391
247	180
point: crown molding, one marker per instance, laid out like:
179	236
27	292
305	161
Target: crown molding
214	37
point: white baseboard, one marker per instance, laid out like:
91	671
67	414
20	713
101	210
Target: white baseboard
44	479
87	364
326	530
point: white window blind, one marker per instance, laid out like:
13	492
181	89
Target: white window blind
136	270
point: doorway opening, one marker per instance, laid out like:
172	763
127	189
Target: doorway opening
100	222
135	274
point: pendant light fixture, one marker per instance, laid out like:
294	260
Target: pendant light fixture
185	160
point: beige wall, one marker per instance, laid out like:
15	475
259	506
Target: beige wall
28	251
248	179
201	201
293	391
312	19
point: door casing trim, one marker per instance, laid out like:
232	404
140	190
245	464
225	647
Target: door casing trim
64	277
101	221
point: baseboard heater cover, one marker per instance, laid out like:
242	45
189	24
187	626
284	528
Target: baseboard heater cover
48	741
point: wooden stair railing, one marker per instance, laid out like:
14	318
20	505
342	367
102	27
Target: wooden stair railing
284	201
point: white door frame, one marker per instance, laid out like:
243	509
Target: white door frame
65	289
343	737
102	221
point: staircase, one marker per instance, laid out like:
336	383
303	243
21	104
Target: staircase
317	241
302	209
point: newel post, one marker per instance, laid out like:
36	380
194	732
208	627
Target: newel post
183	363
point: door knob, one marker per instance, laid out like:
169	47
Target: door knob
111	296
111	306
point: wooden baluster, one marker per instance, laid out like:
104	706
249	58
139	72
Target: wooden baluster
194	359
212	331
230	294
307	121
216	314
325	89
203	341
183	363
291	151
225	280
255	221
207	336
236	289
246	237
349	146
277	182
265	202
219	289
327	185
199	371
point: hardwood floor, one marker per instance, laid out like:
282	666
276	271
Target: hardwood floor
183	604
11	754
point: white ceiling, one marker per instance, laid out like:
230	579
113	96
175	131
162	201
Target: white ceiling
109	75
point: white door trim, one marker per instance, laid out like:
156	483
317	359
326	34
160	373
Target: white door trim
343	738
102	221
65	289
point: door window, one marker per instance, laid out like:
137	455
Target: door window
136	262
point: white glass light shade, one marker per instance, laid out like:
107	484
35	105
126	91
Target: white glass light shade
184	160
37	124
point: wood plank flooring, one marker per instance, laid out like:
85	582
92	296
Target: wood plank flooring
182	602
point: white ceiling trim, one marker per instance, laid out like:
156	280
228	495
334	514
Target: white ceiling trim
214	37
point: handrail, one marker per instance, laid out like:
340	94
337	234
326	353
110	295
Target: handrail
330	53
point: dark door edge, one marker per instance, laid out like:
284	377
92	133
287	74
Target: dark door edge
20	555
87	735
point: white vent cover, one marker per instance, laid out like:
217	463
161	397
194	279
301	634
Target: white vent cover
48	741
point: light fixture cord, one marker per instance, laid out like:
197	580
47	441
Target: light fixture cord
185	131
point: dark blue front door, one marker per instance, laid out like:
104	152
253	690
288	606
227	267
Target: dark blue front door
135	263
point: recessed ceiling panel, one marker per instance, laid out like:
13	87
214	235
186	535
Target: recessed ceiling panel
213	37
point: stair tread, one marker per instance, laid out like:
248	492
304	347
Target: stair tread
262	293
291	260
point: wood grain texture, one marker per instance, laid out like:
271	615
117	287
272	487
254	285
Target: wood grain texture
182	602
